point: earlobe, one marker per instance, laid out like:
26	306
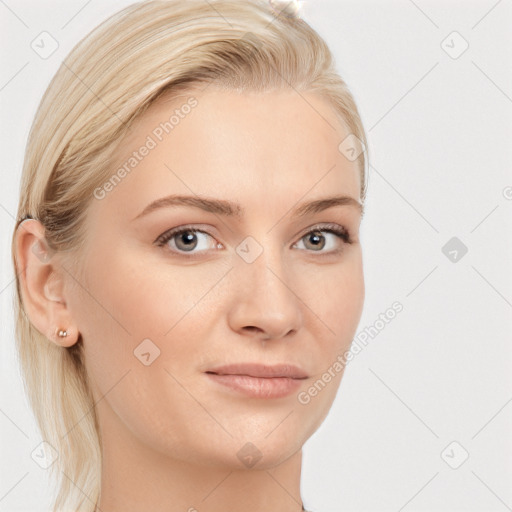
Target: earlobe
42	285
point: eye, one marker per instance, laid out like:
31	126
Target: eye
187	239
191	240
316	241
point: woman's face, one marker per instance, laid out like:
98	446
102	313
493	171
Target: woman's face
259	284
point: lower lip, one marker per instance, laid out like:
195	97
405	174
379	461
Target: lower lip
258	387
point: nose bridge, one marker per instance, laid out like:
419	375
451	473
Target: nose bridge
267	273
265	299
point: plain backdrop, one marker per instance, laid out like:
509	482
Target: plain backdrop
423	417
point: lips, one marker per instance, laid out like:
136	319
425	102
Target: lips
262	371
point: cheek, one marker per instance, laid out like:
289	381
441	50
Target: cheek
349	295
126	304
136	295
335	295
337	301
127	301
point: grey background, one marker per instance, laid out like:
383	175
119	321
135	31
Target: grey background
440	371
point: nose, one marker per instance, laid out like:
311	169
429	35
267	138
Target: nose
264	305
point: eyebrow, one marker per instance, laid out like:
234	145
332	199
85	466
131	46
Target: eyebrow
231	209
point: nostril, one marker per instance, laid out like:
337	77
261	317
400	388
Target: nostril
252	328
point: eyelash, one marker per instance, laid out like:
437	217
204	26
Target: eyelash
340	231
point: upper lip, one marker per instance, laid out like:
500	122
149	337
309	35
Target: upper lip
260	370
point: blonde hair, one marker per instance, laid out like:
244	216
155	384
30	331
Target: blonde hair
107	81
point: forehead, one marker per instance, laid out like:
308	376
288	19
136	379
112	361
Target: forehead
253	148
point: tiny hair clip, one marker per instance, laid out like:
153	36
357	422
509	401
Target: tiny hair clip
288	9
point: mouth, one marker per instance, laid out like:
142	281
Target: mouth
259	381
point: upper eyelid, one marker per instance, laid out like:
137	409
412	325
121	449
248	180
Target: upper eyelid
324	226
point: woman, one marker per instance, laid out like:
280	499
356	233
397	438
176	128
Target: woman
189	272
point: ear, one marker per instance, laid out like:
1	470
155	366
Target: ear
42	284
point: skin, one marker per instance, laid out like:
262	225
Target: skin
170	436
